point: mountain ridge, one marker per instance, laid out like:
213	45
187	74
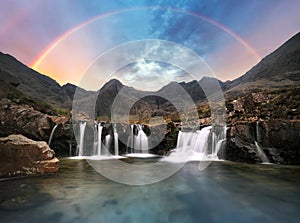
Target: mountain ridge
33	84
279	69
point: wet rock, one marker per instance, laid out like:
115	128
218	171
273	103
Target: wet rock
278	139
22	156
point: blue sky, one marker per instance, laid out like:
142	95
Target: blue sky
229	35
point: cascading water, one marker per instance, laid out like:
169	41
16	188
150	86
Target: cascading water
140	141
218	137
261	153
116	141
99	144
259	150
51	135
205	142
107	145
258	137
102	150
130	142
81	138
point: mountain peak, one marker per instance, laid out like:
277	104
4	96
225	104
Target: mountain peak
112	84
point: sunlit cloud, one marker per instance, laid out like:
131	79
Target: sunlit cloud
153	74
29	27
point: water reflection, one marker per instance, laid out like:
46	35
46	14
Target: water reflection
224	192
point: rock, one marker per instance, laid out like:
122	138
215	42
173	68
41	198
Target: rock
238	106
284	137
23	119
278	139
22	156
260	97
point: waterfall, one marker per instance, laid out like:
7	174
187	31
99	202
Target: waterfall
259	150
258	137
205	142
201	140
51	135
107	145
103	149
130	142
140	141
81	138
116	141
99	144
184	140
261	153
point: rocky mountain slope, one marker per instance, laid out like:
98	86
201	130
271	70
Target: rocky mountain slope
279	69
31	83
278	72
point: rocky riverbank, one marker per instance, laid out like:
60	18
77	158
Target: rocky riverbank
22	156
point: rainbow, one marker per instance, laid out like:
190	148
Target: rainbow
68	33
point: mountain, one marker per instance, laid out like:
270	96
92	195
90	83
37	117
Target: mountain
277	70
31	83
70	90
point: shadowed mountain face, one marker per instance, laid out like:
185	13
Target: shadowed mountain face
277	71
31	83
171	98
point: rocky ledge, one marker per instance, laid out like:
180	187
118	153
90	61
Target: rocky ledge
22	156
279	140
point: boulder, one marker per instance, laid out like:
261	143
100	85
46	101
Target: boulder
20	118
22	156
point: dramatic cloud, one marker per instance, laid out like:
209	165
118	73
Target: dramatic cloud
220	32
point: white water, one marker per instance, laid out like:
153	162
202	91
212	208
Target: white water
81	138
261	153
116	141
107	145
259	150
203	144
51	135
139	143
130	142
199	145
258	137
99	144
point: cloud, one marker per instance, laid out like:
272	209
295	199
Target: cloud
150	75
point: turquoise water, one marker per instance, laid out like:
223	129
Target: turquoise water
223	192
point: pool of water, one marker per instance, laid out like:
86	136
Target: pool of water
223	192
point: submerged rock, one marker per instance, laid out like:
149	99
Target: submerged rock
22	156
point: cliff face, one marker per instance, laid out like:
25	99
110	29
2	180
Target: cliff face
278	139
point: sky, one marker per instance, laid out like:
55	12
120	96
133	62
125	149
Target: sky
68	39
